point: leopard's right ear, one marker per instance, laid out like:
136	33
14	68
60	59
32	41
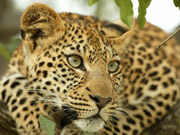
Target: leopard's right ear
39	21
121	43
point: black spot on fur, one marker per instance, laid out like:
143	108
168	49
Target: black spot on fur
117	129
152	74
115	118
8	99
25	109
14	84
22	101
45	73
165	84
14	108
13	101
148	66
171	80
140	61
131	121
159	103
138	116
41	64
147	113
3	94
49	64
26	116
5	83
166	70
48	83
18	115
19	92
167	107
113	122
153	87
151	107
107	128
135	132
126	127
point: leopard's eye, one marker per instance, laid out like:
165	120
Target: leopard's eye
113	66
74	60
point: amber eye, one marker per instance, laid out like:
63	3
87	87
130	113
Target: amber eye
74	60
113	66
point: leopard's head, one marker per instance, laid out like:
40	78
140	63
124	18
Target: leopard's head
76	62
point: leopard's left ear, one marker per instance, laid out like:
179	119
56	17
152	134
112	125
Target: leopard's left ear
120	43
39	21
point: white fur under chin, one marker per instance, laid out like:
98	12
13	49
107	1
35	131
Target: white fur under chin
91	125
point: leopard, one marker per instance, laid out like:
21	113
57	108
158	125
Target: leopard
90	75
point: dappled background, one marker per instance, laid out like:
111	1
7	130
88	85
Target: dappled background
165	15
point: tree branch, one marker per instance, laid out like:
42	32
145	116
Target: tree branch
168	38
7	124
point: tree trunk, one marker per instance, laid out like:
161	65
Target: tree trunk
7	124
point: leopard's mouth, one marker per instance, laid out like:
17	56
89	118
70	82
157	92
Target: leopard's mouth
92	124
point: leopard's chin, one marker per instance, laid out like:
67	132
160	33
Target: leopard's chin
92	124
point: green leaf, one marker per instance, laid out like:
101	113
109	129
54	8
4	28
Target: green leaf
126	11
4	52
47	125
143	5
92	2
177	3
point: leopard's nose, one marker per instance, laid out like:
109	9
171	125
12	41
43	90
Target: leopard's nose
100	101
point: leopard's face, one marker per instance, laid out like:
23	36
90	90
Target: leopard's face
83	67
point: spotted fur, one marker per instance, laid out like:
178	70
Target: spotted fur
41	81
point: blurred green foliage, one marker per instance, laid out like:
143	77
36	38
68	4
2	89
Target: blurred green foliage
47	125
8	48
4	52
126	10
92	2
